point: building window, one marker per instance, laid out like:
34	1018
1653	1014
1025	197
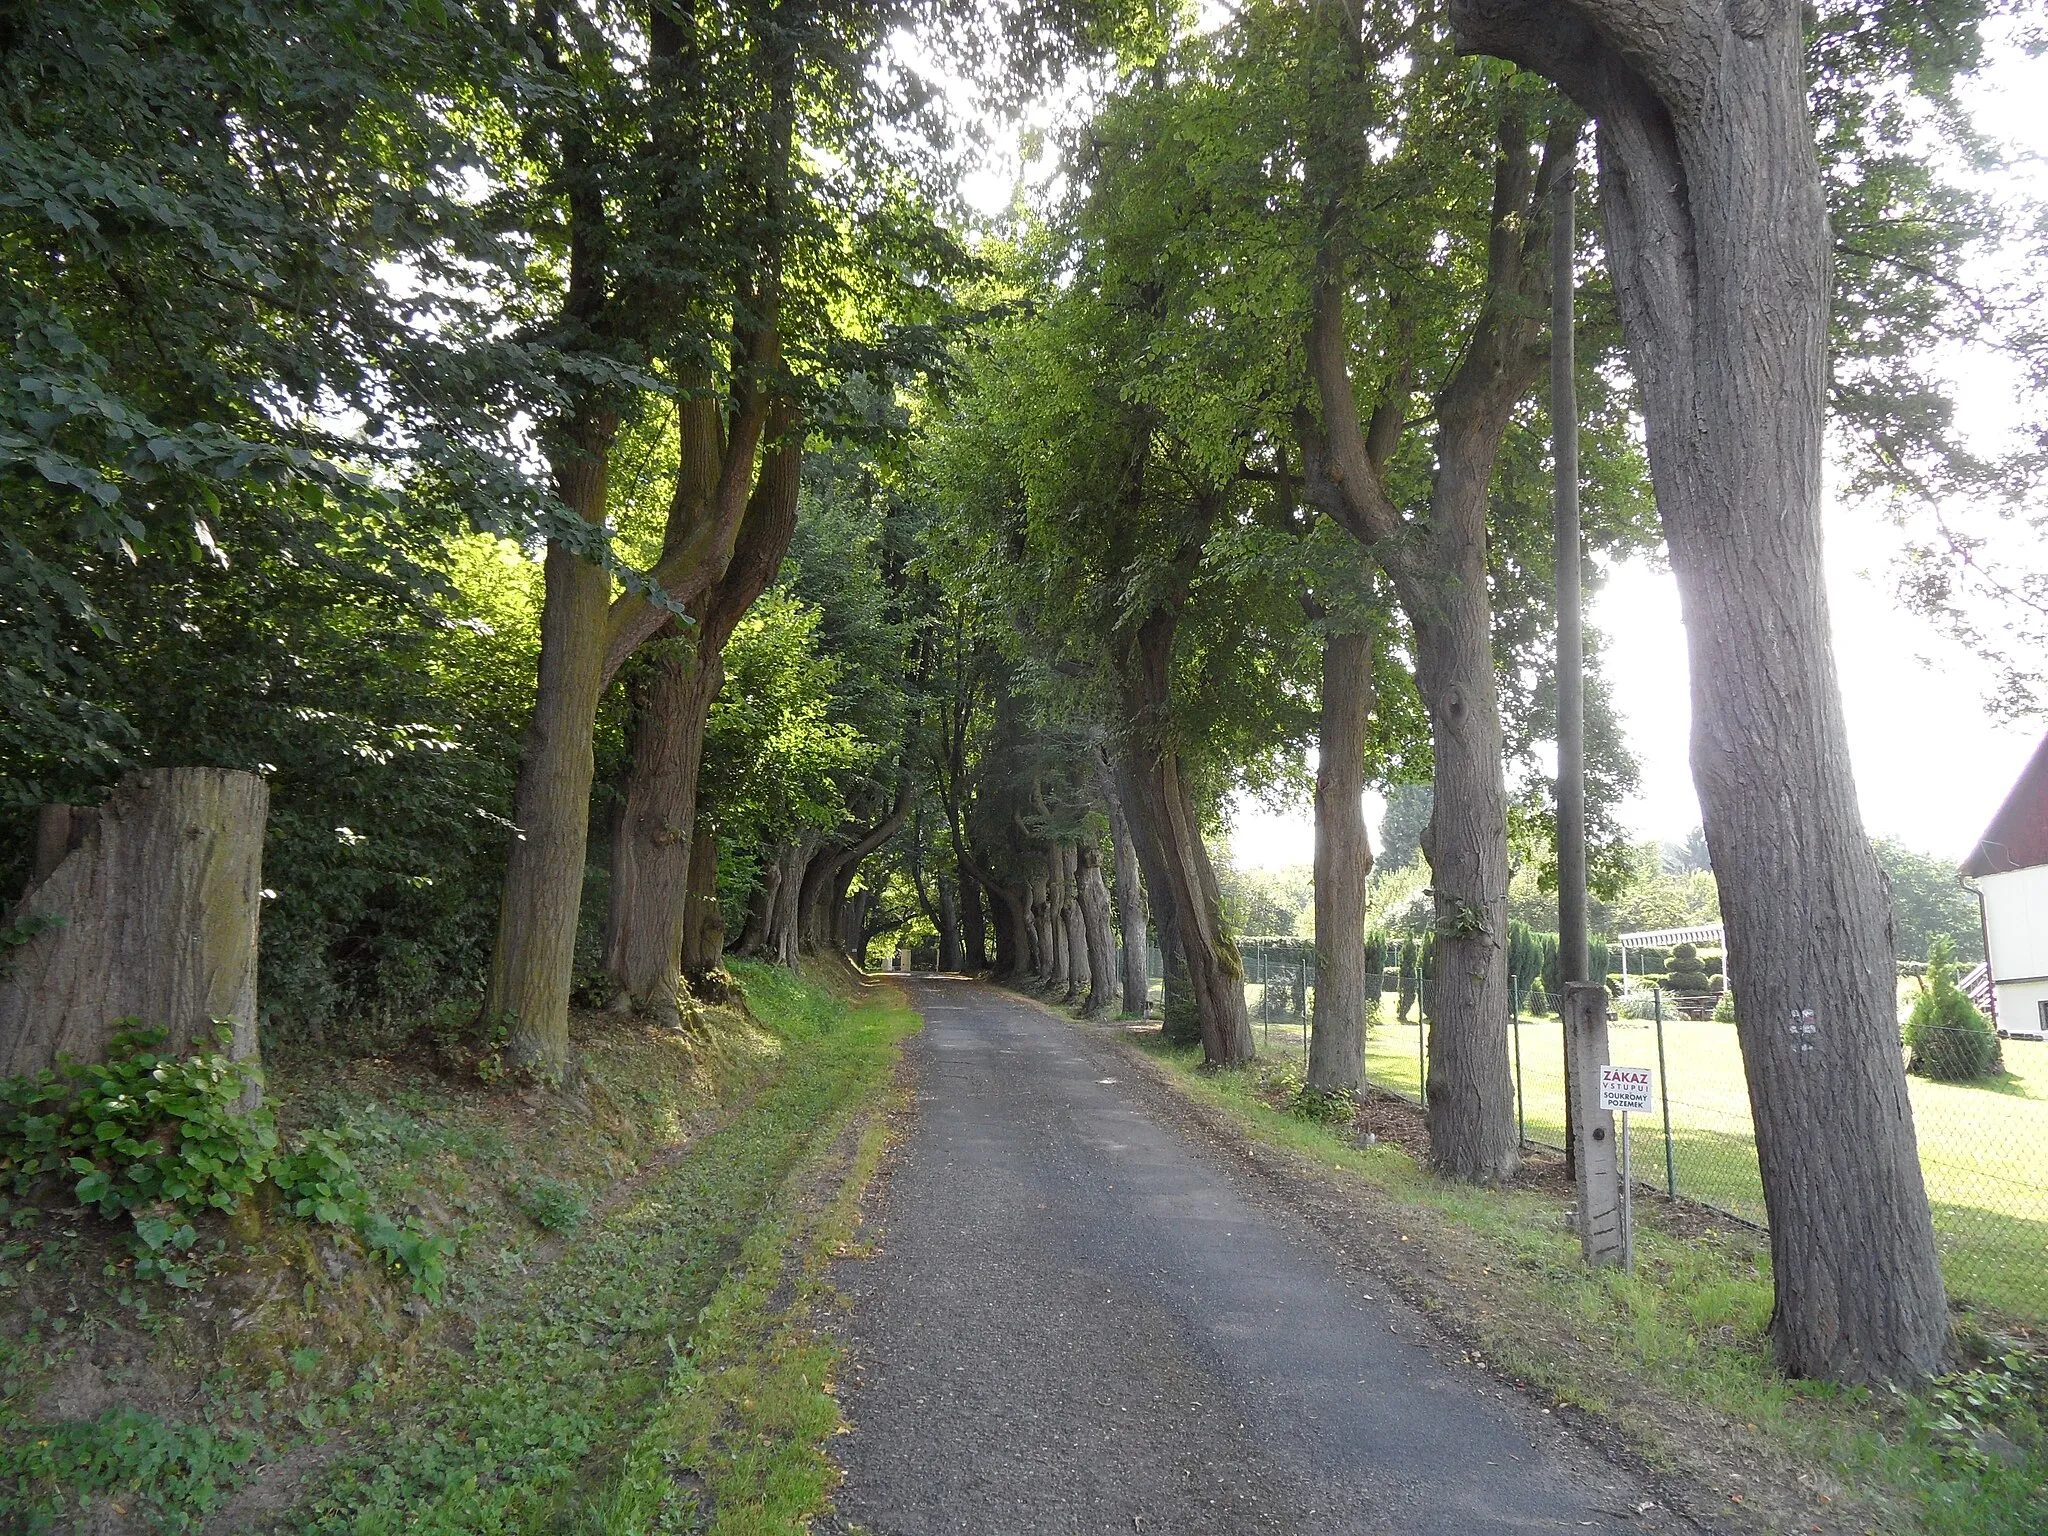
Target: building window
2043	1006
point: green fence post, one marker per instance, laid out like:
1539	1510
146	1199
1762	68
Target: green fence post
1521	1116
1664	1085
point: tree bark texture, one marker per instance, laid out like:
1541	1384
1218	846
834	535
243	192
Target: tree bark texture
653	830
1439	574
1179	1021
1100	941
654	826
973	926
1214	972
1079	977
1133	917
159	892
703	916
1718	238
1013	932
536	948
948	925
1343	860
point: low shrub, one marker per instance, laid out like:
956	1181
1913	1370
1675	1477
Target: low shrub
1724	1010
1947	1038
550	1204
163	1139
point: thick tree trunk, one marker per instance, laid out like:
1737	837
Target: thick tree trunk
703	916
1336	1052
1214	973
1133	917
1164	803
1717	231
1100	942
1079	976
1013	931
543	893
949	926
973	926
1038	930
158	894
653	835
1180	1022
654	830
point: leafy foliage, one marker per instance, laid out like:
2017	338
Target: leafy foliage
161	1139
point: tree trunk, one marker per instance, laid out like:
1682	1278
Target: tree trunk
159	893
949	926
1013	931
1441	581
654	833
1164	804
973	926
1132	916
1180	1022
1213	971
1040	959
1100	942
1717	230
761	906
654	830
703	916
543	893
1079	978
1336	1052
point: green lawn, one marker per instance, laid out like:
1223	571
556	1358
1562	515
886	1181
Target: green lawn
1984	1147
1981	1146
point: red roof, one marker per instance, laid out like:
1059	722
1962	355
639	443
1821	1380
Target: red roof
2018	835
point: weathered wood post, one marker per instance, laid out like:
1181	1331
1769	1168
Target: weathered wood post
1597	1157
156	896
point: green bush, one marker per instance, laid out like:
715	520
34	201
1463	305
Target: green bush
1724	1010
1946	1037
1637	1005
550	1204
1536	1004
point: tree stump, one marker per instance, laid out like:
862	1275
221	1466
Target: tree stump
158	894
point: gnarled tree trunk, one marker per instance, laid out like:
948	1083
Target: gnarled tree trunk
155	900
654	831
1078	976
948	926
1718	239
1133	917
1336	1051
1100	941
703	916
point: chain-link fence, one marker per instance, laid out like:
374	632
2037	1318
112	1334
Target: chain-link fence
1983	1140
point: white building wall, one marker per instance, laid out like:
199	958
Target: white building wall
2016	924
2020	1006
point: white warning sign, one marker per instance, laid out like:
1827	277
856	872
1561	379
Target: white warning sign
1625	1089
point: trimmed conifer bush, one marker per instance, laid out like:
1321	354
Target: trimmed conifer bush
1685	975
1947	1038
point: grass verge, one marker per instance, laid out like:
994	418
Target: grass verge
1675	1358
624	1346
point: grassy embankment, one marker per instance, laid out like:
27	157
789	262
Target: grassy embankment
623	1345
1676	1356
1980	1143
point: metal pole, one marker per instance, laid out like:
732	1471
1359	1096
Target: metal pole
1664	1087
1571	696
1521	1115
1628	1199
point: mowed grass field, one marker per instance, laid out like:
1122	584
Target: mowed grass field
1983	1147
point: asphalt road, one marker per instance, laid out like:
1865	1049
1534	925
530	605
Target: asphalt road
1083	1318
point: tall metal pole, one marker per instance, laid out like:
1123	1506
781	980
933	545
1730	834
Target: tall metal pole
1571	693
